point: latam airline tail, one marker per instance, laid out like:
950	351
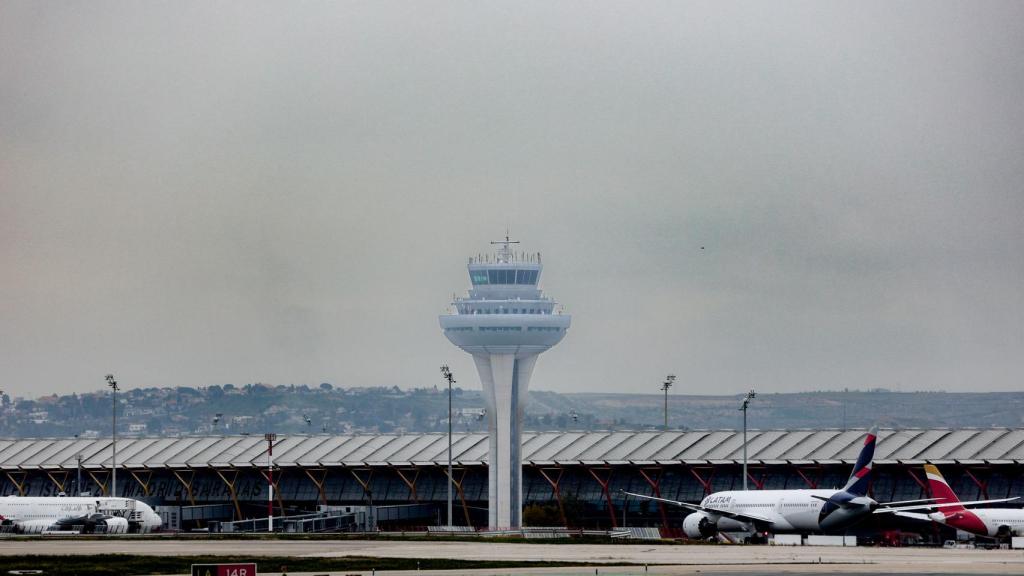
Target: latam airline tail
860	478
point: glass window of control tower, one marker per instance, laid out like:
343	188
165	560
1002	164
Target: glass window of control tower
527	277
504	276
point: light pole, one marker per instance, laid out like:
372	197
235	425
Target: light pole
625	504
78	474
113	462
746	402
309	422
446	373
665	386
216	419
270	479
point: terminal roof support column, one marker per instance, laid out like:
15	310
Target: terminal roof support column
920	484
458	490
556	489
277	490
812	484
604	488
655	485
58	483
231	490
318	482
179	474
144	483
1009	479
364	483
95	478
982	485
19	485
410	484
759	483
925	491
706	484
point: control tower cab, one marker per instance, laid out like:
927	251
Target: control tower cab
505	322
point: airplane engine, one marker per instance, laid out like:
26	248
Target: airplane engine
32	527
114	525
103	524
699	525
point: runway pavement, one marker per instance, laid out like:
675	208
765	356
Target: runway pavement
687	559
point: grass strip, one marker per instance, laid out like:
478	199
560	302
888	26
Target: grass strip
125	564
387	536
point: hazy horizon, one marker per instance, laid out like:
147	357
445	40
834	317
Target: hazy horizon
786	197
475	387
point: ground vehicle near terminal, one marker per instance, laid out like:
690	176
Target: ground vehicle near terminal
999	523
84	514
793	511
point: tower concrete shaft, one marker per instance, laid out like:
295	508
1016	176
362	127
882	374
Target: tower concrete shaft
506	382
505	323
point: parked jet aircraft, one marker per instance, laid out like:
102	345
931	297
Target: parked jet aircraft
997	523
82	513
792	511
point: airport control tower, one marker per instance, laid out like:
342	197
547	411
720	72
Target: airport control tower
505	322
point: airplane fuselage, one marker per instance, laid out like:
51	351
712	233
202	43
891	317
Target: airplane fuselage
37	514
787	511
994	522
784	511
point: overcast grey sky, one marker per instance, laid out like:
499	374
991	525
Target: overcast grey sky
196	193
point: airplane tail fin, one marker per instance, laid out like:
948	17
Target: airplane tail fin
861	476
941	490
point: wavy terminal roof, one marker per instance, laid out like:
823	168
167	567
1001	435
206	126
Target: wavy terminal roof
939	446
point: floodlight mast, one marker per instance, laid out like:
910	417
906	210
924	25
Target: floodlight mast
446	373
746	402
78	474
113	461
665	386
271	437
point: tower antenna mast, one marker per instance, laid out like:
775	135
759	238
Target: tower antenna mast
505	252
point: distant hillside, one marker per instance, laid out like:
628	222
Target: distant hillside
256	408
853	409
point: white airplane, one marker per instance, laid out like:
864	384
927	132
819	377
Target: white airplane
792	511
999	523
34	515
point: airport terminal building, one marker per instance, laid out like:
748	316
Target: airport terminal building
569	478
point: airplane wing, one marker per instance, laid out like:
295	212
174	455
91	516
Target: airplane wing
901	502
825	499
913	516
896	509
884	505
742	517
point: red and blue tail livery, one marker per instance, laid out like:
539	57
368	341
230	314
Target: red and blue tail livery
803	511
860	478
998	523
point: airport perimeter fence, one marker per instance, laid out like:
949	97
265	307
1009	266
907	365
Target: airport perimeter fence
306	523
547	532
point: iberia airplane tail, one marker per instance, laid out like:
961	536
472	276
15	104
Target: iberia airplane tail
941	490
